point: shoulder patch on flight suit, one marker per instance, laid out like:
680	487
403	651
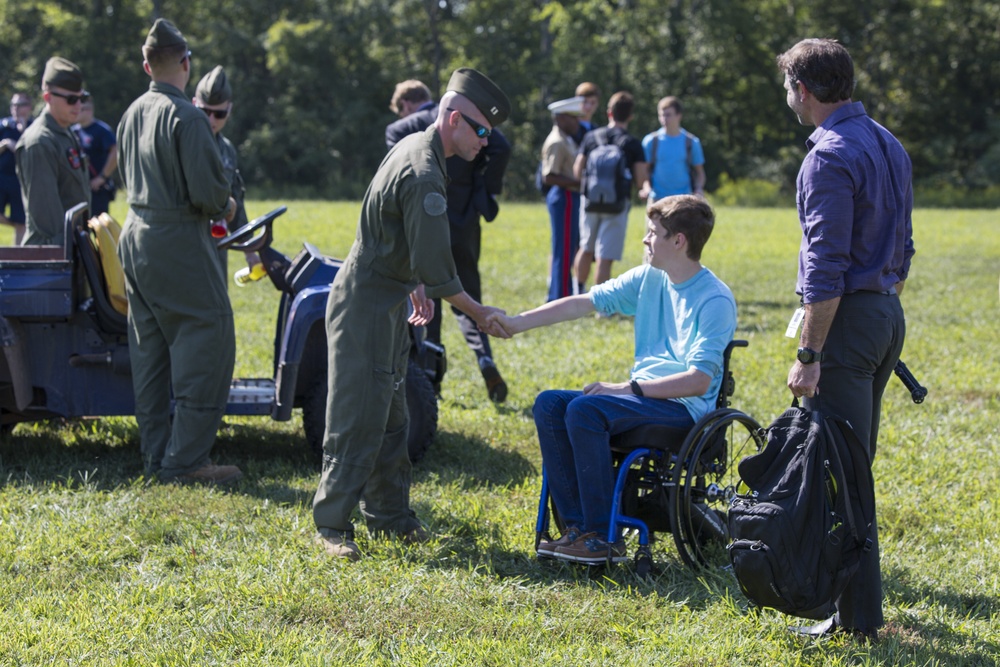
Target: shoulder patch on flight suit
435	203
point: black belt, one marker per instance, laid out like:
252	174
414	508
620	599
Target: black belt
888	292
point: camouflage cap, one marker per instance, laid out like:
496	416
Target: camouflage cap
214	87
164	34
62	73
482	92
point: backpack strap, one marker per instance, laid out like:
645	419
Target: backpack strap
652	156
865	490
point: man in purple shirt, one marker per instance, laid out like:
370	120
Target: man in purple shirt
855	201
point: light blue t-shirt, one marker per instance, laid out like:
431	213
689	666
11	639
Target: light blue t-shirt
671	173
677	327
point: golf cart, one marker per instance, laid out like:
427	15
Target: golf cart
65	342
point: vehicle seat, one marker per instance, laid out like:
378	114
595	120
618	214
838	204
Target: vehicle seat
100	268
106	233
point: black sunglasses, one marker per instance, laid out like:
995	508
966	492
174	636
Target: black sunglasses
481	131
187	56
72	99
218	113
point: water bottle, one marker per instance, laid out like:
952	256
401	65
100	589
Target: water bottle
249	274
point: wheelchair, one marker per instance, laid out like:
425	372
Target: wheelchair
676	479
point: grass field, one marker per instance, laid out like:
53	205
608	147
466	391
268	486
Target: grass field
100	567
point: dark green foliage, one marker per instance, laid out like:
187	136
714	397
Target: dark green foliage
312	78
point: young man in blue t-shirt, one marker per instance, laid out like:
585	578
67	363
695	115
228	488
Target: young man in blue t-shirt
676	160
684	318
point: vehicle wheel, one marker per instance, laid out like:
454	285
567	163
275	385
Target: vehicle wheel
420	402
314	415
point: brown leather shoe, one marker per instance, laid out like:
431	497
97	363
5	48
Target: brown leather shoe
212	474
339	546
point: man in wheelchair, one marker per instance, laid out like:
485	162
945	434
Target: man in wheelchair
684	319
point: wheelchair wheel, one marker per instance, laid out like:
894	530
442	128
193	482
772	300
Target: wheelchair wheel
705	482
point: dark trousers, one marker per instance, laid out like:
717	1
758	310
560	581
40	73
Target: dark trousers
465	251
862	348
100	201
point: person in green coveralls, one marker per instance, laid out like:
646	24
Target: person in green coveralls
50	163
402	249
180	322
214	96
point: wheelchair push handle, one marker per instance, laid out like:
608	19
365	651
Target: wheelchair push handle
917	391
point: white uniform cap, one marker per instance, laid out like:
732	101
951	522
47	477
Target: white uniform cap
572	106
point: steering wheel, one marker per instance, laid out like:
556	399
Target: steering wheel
241	238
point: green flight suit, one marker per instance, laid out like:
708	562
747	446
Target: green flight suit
54	178
181	333
237	188
402	240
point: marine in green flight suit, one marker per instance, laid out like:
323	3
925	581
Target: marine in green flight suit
50	163
402	249
214	96
180	320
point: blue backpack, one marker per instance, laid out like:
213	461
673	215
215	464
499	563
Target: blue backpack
608	179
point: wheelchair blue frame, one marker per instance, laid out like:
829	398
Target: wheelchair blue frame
686	486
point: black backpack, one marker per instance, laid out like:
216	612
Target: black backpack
804	517
608	180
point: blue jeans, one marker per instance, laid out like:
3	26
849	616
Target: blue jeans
574	432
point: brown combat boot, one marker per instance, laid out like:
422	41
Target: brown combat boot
339	546
212	474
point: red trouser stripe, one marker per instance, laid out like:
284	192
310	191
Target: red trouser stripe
567	238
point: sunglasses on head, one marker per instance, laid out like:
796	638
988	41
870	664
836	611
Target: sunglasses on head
72	99
218	113
481	131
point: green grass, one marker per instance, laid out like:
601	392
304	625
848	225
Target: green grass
99	567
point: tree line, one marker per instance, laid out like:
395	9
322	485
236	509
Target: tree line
312	78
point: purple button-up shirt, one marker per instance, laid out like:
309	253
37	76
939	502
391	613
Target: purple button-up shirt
855	200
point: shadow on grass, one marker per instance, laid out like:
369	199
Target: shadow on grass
462	545
472	462
104	455
896	582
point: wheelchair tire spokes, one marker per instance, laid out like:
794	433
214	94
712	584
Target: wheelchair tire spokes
705	483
